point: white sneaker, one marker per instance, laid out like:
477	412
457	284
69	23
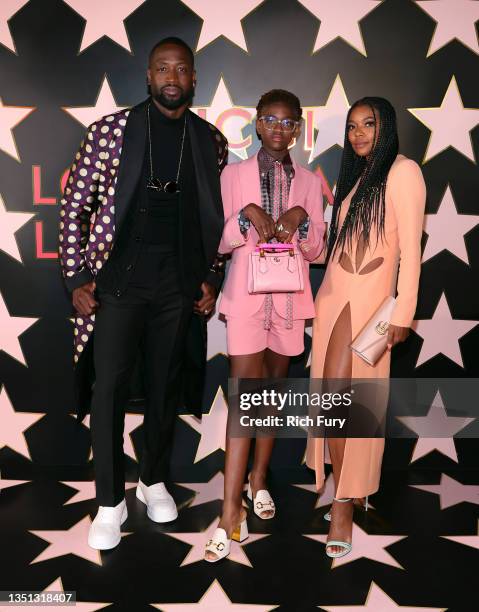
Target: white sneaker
161	507
105	530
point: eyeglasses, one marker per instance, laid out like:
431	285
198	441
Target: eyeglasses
270	122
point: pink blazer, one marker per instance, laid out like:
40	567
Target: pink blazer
240	185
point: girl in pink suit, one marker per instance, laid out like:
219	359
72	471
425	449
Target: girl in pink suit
376	228
267	197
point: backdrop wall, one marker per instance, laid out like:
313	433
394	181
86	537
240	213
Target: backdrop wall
65	63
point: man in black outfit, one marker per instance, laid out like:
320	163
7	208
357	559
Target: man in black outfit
145	283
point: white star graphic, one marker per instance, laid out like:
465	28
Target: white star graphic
12	328
105	18
132	422
198	542
365	546
8	8
379	601
105	105
446	229
216	336
72	541
206	492
441	334
14	425
455	20
439	120
340	19
229	119
329	120
86	490
79	606
10	117
212	427
11	222
214	600
467	540
451	492
436	422
222	19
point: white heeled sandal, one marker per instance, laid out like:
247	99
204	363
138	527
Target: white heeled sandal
346	546
220	544
327	516
262	502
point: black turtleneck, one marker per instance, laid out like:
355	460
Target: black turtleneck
166	135
157	222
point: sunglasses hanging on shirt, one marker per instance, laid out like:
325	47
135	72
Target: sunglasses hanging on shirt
155	183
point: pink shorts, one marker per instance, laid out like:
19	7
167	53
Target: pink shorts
246	335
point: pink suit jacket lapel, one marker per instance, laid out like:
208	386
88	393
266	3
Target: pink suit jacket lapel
250	183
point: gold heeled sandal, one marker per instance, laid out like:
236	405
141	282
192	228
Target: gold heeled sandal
219	544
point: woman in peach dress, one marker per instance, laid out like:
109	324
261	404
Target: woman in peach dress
376	229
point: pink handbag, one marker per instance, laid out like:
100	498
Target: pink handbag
372	340
275	268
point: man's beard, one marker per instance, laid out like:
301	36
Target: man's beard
170	104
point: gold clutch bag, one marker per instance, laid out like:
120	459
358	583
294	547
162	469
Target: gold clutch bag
371	342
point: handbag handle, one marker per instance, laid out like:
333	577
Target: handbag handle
274	246
268	248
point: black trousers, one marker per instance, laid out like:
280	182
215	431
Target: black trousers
154	311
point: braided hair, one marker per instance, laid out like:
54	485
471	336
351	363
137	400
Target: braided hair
367	207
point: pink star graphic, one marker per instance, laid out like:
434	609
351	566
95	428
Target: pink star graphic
12	328
441	334
14	425
446	229
329	120
11	222
455	20
325	496
206	492
8	8
10	117
132	422
216	336
213	600
364	546
105	18
467	540
435	422
340	19
105	105
212	427
72	541
231	120
451	492
198	542
439	119
379	601
222	19
6	484
86	490
80	606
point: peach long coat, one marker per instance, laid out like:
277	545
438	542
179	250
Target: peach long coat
363	282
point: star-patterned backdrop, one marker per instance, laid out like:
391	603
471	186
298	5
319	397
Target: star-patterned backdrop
65	63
